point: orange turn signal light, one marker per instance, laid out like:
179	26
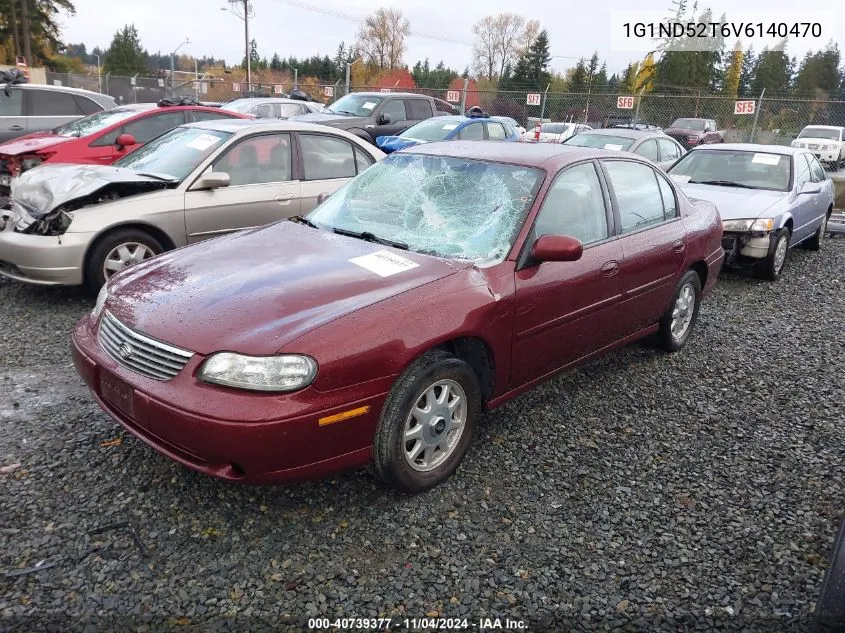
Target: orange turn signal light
340	417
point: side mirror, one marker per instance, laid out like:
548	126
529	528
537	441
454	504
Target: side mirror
211	180
124	140
383	119
557	248
810	187
323	197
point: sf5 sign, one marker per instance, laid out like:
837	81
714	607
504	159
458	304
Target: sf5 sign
625	103
744	107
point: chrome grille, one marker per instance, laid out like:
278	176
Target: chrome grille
812	145
140	353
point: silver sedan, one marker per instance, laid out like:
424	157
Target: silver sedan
79	224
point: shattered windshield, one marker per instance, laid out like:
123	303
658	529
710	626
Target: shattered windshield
176	153
448	207
95	122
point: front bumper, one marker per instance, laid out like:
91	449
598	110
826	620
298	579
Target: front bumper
44	259
744	248
233	434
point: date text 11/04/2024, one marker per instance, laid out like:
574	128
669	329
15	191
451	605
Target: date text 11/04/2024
427	623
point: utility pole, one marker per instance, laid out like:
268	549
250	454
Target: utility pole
27	40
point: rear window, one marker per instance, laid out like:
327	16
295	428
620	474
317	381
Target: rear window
86	105
434	129
600	141
11	102
554	128
419	109
95	122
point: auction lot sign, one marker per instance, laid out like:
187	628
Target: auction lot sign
744	107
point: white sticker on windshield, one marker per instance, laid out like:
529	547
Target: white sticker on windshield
612	146
766	159
369	105
203	142
681	179
384	263
450	126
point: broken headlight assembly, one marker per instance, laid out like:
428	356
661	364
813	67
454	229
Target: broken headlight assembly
30	162
760	226
53	223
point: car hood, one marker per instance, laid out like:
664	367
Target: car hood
389	144
32	143
683	130
330	118
255	291
734	203
47	187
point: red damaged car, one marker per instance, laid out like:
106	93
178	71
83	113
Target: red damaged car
438	284
100	138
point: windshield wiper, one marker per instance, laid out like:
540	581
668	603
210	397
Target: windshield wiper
346	112
302	220
371	237
723	183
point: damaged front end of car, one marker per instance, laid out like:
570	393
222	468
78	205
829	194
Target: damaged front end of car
47	205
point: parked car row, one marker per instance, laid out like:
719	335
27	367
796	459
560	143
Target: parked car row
537	256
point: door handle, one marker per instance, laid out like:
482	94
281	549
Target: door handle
610	268
679	246
284	198
16	127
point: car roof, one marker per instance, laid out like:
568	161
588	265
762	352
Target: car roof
267	100
542	155
390	94
624	132
825	127
784	150
80	91
270	125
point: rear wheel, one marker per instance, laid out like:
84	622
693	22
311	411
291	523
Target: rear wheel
118	251
680	317
427	423
771	267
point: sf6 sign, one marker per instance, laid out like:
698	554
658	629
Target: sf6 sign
625	103
744	107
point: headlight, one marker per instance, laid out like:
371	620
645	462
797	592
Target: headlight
748	226
101	302
32	161
286	372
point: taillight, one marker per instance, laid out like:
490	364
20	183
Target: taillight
35	160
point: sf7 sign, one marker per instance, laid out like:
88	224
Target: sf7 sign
744	107
625	103
533	98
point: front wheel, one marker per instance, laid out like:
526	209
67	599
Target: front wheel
771	267
680	317
427	423
117	251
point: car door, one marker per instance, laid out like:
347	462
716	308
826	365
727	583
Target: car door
648	149
473	131
495	131
262	188
826	197
418	110
49	109
327	163
567	310
395	109
653	240
12	114
670	151
806	207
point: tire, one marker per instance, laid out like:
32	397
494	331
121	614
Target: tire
769	268
418	383
815	242
683	311
140	246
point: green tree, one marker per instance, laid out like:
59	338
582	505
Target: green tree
819	72
275	62
42	37
771	72
125	55
733	71
578	78
746	73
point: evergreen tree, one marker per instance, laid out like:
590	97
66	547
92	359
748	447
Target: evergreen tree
733	71
578	78
125	55
819	72
746	73
276	63
771	72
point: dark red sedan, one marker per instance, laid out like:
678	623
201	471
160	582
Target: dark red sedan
441	282
100	138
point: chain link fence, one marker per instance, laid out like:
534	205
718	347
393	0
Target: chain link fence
778	120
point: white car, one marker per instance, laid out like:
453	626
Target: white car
827	142
554	132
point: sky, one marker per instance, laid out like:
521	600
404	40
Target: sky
575	29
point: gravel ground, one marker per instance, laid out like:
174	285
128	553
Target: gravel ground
697	491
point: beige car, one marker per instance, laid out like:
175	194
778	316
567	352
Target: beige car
79	224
